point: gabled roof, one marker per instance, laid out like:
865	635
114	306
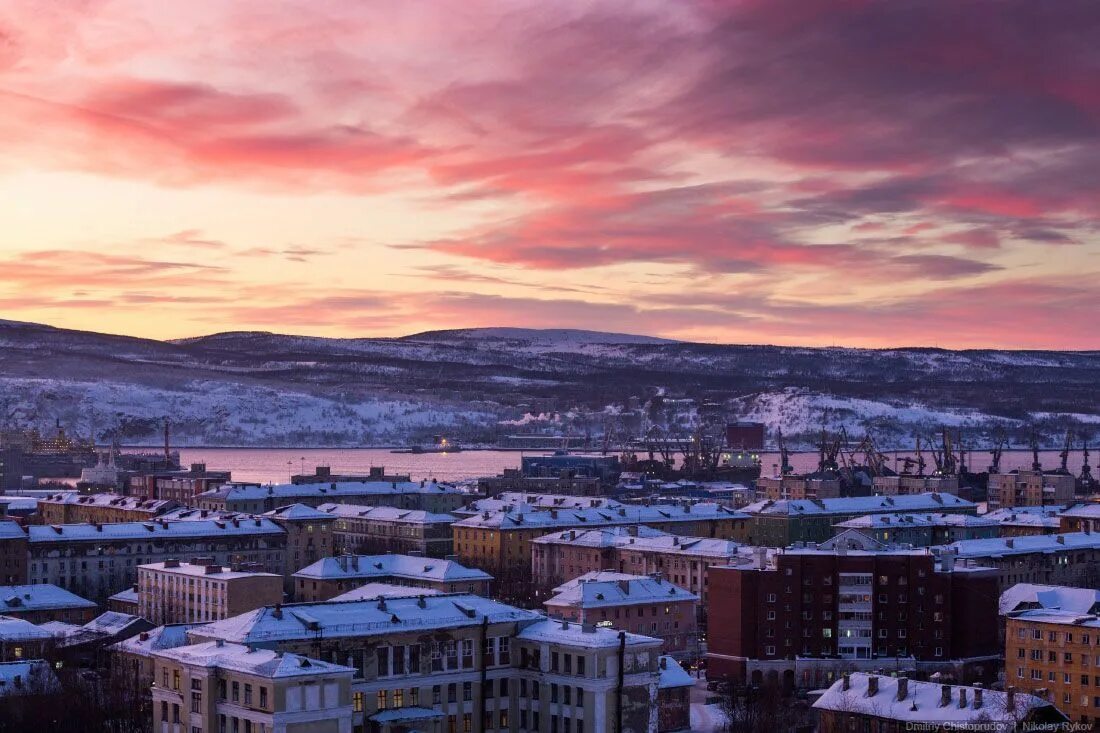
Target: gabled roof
161	637
17	629
41	597
152	529
925	502
391	565
11	530
578	635
596	590
385	513
672	674
241	658
527	516
360	618
1073	602
296	512
1026	544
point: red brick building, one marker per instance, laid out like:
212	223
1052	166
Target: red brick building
648	605
801	615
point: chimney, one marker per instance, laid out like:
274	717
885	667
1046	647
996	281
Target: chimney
144	636
847	681
962	697
219	642
1010	543
872	685
277	612
903	688
977	696
1010	699
1061	539
945	695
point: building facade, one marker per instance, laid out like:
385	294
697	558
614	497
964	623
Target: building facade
431	496
800	615
97	561
69	507
171	592
13	553
1030	488
1070	558
373	529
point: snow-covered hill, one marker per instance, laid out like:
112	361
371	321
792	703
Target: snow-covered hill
256	388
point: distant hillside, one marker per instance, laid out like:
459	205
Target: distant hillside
256	388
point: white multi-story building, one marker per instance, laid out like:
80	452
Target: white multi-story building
172	592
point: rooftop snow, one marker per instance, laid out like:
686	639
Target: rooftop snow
529	516
296	511
360	618
1026	516
1030	596
372	591
185	568
289	492
1083	511
594	590
151	529
117	501
242	658
379	566
932	519
11	530
922	703
926	502
574	634
604	537
17	629
1048	543
42	597
28	676
161	637
383	513
672	674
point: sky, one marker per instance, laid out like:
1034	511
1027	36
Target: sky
805	172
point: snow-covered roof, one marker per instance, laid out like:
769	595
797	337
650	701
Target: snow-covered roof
390	565
1090	510
1026	597
372	591
130	595
895	520
17	629
922	702
116	501
539	500
41	597
603	537
552	631
191	514
288	493
112	623
1026	544
598	590
523	516
672	674
384	513
203	571
361	618
154	529
26	677
161	637
930	501
11	530
296	512
405	714
1026	516
250	660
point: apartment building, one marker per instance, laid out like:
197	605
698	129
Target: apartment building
801	614
513	480
798	487
99	560
1080	518
1052	646
13	553
635	549
431	496
44	602
181	486
69	507
174	592
510	500
922	529
1030	488
20	639
873	702
643	604
779	523
502	538
1025	520
331	576
373	529
907	483
135	653
1070	558
459	662
234	688
309	537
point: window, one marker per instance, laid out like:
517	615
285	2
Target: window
357	702
247	694
236	692
580	697
580	666
263	697
381	700
467	691
196	702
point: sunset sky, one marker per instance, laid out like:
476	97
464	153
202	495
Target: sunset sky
818	173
